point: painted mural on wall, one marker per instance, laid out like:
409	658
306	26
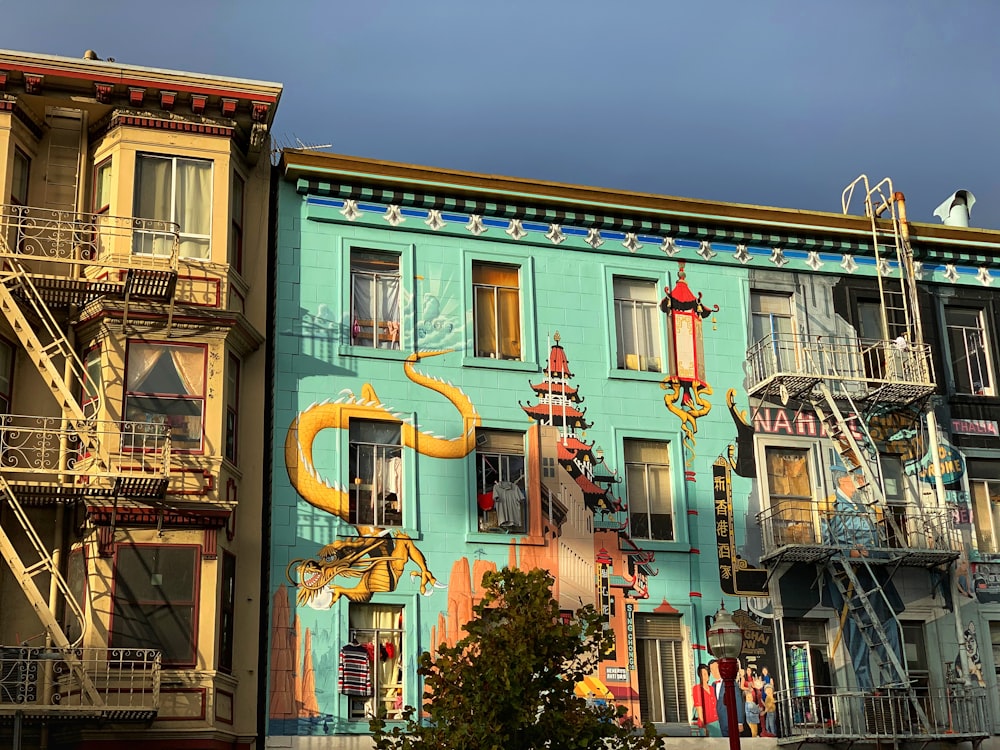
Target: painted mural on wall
377	557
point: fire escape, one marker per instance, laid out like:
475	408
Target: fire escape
55	264
858	548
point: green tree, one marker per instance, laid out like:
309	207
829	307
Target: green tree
509	684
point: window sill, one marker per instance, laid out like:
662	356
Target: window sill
516	365
640	375
662	545
486	537
370	352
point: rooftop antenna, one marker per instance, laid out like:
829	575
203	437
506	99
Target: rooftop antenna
310	146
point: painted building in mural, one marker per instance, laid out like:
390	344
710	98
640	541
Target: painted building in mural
667	403
133	237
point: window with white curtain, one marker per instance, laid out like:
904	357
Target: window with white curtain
165	385
178	190
376	465
647	478
637	325
375	299
378	628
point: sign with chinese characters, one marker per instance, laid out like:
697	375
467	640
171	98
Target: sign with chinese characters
736	576
615	674
975	427
606	604
630	634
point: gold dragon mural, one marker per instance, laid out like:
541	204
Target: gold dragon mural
376	557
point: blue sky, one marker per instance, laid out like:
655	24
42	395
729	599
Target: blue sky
769	102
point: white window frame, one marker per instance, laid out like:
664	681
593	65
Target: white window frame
509	464
388	675
493	292
166	397
985	511
148	236
768	324
373	328
972	346
645	348
370	492
662	652
640	472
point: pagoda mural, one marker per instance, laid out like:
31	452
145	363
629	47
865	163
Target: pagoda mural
622	568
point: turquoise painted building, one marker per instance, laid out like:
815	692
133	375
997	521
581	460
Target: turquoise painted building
667	403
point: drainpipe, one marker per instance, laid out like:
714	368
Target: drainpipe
932	435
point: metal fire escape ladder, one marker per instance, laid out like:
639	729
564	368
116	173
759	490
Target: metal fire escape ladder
25	575
47	357
858	601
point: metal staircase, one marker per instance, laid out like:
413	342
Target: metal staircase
870	610
25	576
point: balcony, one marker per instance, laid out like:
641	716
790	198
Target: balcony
134	458
74	257
792	365
798	531
124	684
828	715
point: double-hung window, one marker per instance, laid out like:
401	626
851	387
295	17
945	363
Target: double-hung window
660	665
500	485
92	386
970	354
496	293
984	483
178	190
236	226
637	325
647	480
771	328
375	292
19	183
156	600
793	518
165	385
376	466
371	663
232	406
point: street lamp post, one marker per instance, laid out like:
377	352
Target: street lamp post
725	642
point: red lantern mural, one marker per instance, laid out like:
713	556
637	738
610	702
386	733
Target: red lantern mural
686	386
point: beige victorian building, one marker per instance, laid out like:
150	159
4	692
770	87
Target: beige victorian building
133	241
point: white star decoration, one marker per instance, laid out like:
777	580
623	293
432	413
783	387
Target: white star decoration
434	220
393	216
515	230
668	247
475	224
813	261
849	264
884	269
918	270
631	242
778	257
984	276
555	234
705	250
742	255
594	237
350	210
950	272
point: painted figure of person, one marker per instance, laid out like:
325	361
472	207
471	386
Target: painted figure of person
722	699
752	711
770	712
703	699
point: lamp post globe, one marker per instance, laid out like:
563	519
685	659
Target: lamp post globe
725	642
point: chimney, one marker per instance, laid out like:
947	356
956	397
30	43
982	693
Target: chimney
955	211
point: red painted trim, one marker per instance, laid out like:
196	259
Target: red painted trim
198	103
695	593
200	717
692	512
146	82
210	544
135	95
167	99
103	91
157	123
695	551
698	647
185	519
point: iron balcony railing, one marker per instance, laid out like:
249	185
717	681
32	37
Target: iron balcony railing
88	239
895	370
801	530
956	713
40	681
50	445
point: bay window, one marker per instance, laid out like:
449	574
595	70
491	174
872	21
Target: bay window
178	190
165	385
